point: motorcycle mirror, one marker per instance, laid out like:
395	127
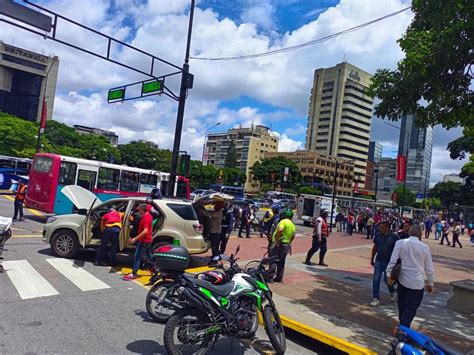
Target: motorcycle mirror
237	250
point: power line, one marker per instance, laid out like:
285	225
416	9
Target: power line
302	45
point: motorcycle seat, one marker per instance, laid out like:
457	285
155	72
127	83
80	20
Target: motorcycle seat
221	290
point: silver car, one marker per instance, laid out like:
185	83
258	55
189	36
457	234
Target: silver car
175	222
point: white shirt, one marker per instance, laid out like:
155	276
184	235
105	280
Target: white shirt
416	260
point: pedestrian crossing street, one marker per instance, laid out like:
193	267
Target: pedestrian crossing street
29	282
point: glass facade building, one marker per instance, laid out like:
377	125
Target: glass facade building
417	144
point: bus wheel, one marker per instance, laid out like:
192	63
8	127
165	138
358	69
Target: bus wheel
64	243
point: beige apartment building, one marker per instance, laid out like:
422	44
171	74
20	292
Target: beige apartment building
251	144
25	78
319	169
340	115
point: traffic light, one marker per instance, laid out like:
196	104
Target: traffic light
184	164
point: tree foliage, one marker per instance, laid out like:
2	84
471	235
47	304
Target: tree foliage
264	170
145	156
17	137
408	200
434	79
310	190
449	193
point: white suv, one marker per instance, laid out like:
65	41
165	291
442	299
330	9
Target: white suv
175	221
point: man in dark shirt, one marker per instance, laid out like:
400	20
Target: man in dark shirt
384	242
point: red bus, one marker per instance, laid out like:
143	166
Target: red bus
51	172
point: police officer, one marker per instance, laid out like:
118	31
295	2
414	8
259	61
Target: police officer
281	243
320	235
267	223
227	225
19	200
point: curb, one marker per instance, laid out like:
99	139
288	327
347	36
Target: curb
325	338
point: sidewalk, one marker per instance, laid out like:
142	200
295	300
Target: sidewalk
335	300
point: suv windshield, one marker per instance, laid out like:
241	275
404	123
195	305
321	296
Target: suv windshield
184	211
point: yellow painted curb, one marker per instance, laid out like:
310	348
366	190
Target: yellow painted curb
325	338
144	276
35	212
27	236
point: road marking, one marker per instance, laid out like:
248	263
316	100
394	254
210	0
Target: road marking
35	212
77	275
28	282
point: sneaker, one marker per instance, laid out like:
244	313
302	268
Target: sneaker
392	297
21	219
375	302
309	263
130	277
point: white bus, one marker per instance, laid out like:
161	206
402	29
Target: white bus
278	196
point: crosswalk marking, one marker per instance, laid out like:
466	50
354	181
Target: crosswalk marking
77	275
28	282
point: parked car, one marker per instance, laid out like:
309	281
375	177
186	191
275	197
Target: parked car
287	203
261	203
200	192
242	201
174	221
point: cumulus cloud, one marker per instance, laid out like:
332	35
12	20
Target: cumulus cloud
160	27
287	144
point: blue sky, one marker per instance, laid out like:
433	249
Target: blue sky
273	91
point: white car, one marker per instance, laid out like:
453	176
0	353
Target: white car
175	221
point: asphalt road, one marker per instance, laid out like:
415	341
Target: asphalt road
80	308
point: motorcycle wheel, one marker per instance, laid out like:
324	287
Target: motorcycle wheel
251	333
158	292
176	334
274	329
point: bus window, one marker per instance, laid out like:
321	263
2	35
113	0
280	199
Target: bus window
5	163
67	173
86	179
148	179
23	167
108	179
129	181
43	164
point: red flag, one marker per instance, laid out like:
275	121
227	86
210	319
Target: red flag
44	115
401	168
356	187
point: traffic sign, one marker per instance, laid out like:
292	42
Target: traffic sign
116	94
153	87
419	197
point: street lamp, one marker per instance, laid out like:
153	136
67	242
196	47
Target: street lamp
205	139
334	189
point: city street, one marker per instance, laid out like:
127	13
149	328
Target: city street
94	311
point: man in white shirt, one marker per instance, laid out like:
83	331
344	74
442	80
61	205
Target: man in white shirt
416	260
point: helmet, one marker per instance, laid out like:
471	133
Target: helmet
214	277
276	207
287	213
324	213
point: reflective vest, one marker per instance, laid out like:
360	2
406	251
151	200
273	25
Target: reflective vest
21	193
112	219
268	216
324	227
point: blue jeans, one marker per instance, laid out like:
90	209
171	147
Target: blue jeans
142	248
379	272
111	235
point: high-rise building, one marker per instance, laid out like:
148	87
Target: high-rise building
375	152
417	145
318	170
25	78
111	136
340	115
387	181
251	144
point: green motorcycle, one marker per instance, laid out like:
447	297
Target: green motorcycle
223	310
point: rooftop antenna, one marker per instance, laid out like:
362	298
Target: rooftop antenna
344	59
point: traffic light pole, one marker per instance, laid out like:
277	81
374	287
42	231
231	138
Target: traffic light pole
182	101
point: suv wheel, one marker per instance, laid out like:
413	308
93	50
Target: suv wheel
64	243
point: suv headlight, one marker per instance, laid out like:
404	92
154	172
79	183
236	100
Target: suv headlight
51	219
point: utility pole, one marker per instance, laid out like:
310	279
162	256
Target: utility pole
333	196
182	101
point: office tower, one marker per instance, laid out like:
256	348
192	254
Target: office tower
375	152
340	115
417	144
23	82
251	143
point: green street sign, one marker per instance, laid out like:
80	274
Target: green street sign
152	87
116	94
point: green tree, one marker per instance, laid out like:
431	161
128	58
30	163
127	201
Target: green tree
449	193
310	190
432	203
201	176
434	80
145	156
231	157
61	135
264	170
410	197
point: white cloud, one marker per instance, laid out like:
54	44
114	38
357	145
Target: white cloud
287	144
259	12
295	130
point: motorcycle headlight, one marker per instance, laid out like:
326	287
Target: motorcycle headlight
51	219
